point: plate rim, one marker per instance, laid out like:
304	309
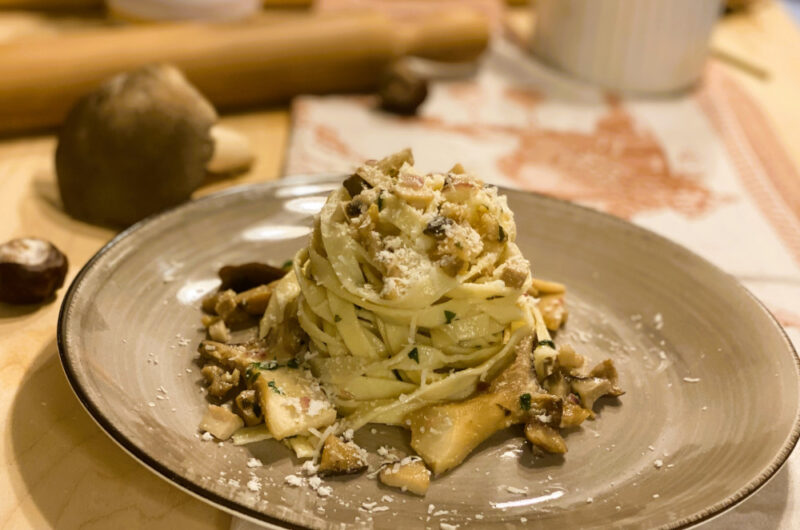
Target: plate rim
239	510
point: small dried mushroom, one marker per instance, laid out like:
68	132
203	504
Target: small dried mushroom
31	270
402	90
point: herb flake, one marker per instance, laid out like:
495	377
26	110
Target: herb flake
449	316
275	388
254	368
287	264
380	201
525	401
414	354
501	234
337	318
548	343
251	372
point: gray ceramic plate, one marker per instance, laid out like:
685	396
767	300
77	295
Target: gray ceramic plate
710	414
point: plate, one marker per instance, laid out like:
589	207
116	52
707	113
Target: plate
710	414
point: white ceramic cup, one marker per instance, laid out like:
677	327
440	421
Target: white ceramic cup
634	46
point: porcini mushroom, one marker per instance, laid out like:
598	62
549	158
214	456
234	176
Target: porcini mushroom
139	143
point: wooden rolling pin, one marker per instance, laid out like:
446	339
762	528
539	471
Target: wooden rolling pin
79	4
234	65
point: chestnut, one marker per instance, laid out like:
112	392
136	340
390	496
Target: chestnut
31	270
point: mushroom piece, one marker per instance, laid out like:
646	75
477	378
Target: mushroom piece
339	457
247	407
139	143
248	275
545	437
220	422
410	474
402	90
31	270
219	381
602	380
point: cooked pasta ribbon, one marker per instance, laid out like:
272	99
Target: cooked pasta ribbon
411	291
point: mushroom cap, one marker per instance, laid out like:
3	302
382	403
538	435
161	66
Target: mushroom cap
137	144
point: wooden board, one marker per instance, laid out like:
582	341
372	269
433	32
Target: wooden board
57	468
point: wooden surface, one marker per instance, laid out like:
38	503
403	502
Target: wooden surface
57	468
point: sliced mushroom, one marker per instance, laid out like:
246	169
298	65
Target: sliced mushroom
209	303
247	407
220	382
248	275
340	457
254	301
554	311
539	286
410	474
239	356
602	380
391	164
354	185
573	415
220	422
229	309
219	331
568	359
545	437
557	384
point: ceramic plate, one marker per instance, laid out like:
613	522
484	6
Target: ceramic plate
711	410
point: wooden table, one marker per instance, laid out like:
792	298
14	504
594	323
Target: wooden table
58	468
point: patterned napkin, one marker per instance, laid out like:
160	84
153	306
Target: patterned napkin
704	170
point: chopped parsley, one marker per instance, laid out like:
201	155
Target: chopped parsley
337	318
253	368
525	401
397	375
277	390
449	316
251	372
549	343
268	365
414	354
501	234
380	201
287	264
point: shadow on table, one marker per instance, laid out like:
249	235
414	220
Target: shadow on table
69	473
10	311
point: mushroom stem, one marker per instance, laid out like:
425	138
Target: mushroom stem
233	152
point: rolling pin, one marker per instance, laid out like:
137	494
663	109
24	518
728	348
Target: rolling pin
260	62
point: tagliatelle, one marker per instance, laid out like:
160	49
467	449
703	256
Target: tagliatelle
395	319
410	305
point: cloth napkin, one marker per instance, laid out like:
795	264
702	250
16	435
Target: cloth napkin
704	169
